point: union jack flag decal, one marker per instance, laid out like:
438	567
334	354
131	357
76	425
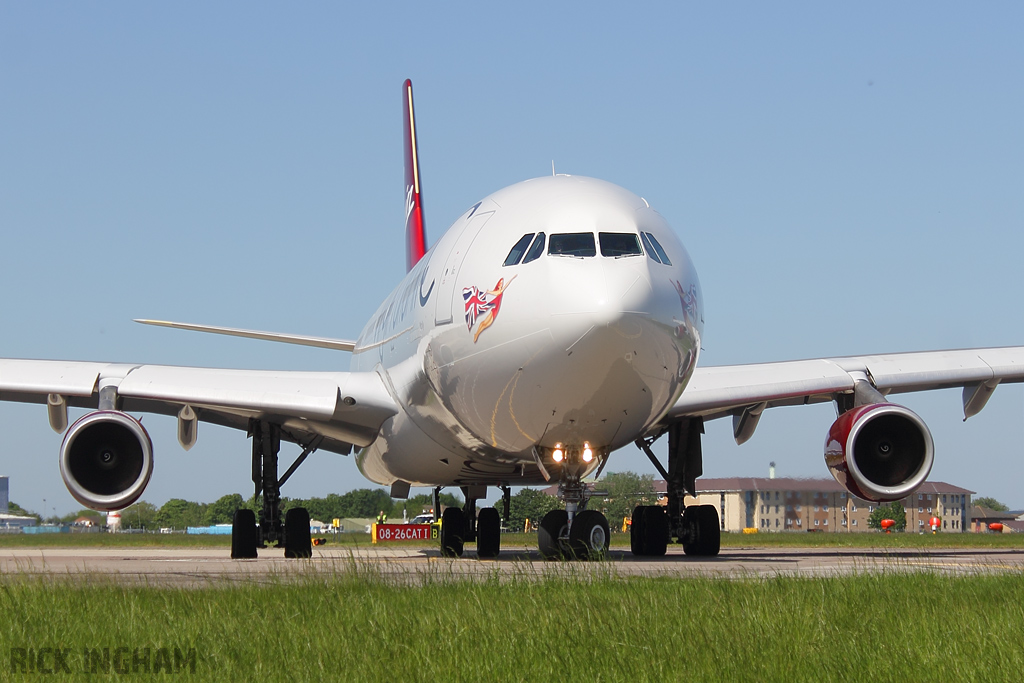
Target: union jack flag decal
482	306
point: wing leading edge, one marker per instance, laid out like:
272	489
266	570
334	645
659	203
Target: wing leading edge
740	390
343	409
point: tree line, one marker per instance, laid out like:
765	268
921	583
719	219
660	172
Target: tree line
624	490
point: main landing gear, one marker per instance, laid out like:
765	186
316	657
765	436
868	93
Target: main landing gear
459	526
697	527
293	535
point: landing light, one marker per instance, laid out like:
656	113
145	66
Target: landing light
557	455
588	454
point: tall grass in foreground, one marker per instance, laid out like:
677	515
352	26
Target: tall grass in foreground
359	625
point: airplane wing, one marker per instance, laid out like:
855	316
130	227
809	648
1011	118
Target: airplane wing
343	409
744	391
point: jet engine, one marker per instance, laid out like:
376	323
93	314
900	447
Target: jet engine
106	460
880	452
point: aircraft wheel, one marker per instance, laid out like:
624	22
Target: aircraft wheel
637	531
703	519
297	541
488	533
453	528
656	531
243	535
552	527
589	535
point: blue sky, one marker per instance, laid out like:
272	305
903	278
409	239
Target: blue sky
848	180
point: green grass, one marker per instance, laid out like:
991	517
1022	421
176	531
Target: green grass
580	624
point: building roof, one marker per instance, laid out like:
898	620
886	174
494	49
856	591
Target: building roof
989	515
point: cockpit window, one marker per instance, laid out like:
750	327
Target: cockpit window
536	249
649	248
618	244
518	250
662	256
572	244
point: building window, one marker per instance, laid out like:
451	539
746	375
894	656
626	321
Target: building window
799	522
855	522
871	508
777	509
920	510
854	507
929	511
789	522
776	495
825	523
824	508
817	522
920	522
844	522
843	494
799	508
815	508
776	523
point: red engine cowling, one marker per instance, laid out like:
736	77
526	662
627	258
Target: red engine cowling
880	452
106	460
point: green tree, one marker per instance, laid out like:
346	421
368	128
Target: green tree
893	511
625	491
178	513
222	510
424	502
990	503
141	515
529	504
365	503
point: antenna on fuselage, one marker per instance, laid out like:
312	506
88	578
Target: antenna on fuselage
552	168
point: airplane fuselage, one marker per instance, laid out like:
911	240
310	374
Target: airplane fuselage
560	312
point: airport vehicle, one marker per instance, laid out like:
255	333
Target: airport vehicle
556	321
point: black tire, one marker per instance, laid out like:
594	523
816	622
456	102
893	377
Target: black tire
638	531
453	529
708	536
488	533
243	535
552	527
656	531
297	541
589	535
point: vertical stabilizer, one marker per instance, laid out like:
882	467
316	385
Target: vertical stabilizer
415	231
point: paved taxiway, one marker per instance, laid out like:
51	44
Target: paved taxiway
211	566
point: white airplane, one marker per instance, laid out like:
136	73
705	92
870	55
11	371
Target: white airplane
556	321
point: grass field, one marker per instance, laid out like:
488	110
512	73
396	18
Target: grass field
576	625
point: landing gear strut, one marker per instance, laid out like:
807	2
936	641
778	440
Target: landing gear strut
293	534
697	527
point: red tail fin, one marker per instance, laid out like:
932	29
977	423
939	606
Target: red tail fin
415	232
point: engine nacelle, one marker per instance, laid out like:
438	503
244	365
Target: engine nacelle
106	460
880	452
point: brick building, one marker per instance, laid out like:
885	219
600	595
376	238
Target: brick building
785	504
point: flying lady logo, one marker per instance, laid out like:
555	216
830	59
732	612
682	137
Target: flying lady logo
482	306
688	300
